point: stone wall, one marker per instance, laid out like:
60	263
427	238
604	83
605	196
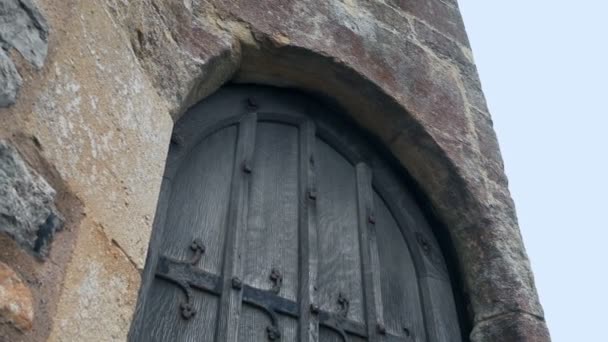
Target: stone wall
89	91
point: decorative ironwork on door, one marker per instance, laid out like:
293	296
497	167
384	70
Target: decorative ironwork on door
274	226
187	277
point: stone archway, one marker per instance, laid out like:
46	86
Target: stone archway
409	84
402	70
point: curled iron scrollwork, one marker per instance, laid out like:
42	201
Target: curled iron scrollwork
198	248
188	311
277	280
187	308
343	305
273	332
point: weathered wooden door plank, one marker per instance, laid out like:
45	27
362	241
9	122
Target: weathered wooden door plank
309	324
271	245
230	301
367	242
139	326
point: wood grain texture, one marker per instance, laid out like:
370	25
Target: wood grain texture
253	324
440	311
271	237
328	335
198	206
308	235
339	258
238	205
367	245
400	293
163	321
151	259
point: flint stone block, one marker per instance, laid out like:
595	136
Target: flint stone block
10	80
27	209
23	28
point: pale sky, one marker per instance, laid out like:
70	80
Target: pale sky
544	69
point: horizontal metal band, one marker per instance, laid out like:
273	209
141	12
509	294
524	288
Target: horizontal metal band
178	271
184	273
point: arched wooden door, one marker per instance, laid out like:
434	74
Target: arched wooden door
276	222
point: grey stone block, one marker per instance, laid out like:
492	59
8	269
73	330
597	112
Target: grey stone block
23	27
10	80
27	203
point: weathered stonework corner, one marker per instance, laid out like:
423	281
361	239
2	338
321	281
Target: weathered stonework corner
27	203
24	28
16	306
90	135
516	326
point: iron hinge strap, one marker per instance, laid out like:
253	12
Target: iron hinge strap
188	277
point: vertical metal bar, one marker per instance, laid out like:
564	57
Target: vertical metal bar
230	301
367	246
308	323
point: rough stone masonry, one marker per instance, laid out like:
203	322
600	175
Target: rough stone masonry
23	28
27	209
97	86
